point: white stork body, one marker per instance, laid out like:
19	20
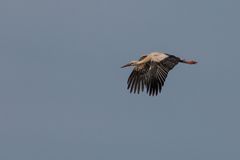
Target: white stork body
151	70
157	56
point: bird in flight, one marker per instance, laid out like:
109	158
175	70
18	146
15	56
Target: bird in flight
150	72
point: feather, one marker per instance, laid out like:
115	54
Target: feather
151	73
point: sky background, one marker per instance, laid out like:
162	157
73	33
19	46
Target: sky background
64	96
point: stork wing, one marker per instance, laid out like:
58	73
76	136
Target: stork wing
151	75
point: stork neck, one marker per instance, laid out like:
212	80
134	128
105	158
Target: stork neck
145	60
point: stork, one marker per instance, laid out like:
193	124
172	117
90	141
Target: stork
150	72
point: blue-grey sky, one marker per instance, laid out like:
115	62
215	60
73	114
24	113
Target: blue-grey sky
63	94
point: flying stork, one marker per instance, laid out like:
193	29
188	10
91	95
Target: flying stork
151	70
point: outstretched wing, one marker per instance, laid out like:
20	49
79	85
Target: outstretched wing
151	75
136	78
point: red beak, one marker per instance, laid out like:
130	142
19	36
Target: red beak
126	65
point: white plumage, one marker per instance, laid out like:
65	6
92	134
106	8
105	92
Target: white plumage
151	70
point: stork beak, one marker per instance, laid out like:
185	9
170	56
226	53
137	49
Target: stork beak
127	65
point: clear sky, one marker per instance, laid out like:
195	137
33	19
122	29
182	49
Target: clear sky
63	94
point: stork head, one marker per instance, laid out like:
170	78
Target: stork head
132	63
